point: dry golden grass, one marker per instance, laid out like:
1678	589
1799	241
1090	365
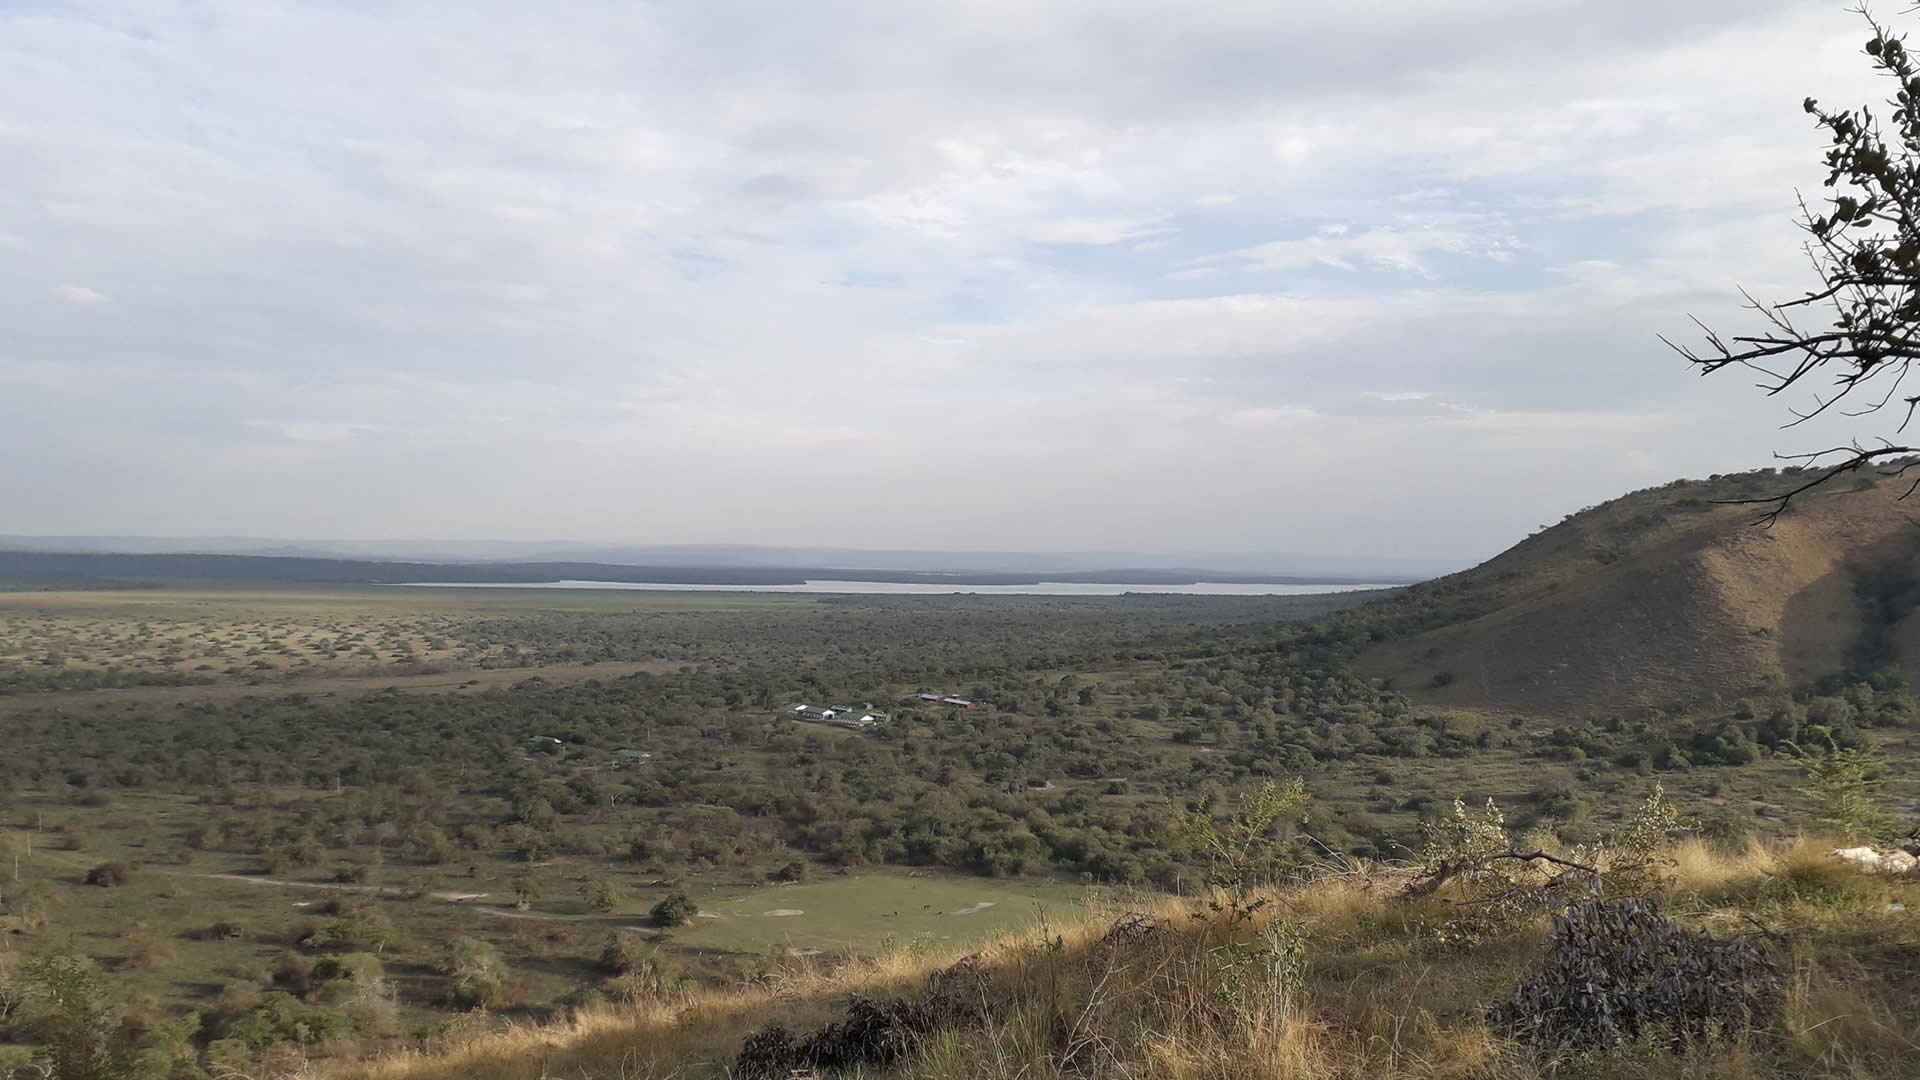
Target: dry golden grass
1372	999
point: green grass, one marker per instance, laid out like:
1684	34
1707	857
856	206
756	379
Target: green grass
551	948
858	911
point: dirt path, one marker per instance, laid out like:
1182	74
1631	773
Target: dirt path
378	890
337	886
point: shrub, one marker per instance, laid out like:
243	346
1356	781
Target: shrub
580	999
625	953
601	894
1504	884
1617	970
1248	849
111	875
346	967
292	970
150	955
877	1033
73	1016
478	974
1845	785
675	910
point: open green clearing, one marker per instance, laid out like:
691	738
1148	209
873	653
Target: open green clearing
860	910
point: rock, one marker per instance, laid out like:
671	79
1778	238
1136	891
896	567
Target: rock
1879	860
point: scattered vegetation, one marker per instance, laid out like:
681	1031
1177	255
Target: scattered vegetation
1766	961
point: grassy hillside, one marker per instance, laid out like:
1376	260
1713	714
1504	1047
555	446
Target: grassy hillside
1665	597
1339	977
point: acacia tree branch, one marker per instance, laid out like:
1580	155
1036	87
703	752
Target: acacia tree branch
1858	459
1863	240
1544	857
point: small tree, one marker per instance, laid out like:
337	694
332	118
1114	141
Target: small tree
601	894
1844	784
676	910
77	1024
525	891
626	952
478	973
1247	849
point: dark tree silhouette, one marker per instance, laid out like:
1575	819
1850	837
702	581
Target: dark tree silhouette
1865	249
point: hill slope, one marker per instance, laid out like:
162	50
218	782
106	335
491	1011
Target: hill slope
1335	978
1663	597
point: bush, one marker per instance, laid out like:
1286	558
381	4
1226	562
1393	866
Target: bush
1845	784
111	875
150	955
601	894
675	910
72	1013
625	953
876	1033
580	999
1616	970
478	974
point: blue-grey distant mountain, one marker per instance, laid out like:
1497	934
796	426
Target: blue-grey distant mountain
95	567
1021	563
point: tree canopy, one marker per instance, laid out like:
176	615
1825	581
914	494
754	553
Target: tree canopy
1864	243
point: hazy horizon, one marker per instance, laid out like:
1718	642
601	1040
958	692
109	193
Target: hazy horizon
1380	280
744	555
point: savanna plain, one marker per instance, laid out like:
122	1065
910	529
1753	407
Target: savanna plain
265	829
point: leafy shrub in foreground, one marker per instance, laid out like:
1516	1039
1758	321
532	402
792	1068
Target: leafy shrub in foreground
877	1033
1617	969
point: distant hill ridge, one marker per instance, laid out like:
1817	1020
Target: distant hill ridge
709	556
81	567
1668	596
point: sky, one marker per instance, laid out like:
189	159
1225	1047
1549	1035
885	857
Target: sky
1376	278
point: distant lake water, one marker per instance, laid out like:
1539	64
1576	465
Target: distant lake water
916	588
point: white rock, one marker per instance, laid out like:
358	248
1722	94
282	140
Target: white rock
1878	861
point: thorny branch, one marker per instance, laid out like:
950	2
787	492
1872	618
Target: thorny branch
1864	244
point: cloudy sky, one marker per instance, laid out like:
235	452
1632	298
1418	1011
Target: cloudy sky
1378	278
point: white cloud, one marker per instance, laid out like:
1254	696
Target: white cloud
1268	415
80	295
1336	247
317	431
727	264
1095	232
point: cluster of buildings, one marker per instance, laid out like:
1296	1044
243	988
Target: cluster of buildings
956	702
847	716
